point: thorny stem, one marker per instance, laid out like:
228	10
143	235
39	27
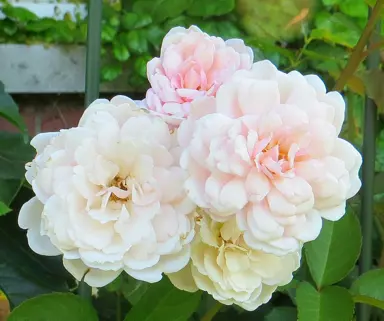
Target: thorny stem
357	53
212	312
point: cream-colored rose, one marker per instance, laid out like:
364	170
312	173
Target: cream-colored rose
109	196
224	266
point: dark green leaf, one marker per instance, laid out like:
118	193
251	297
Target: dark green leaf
120	52
9	189
334	253
129	20
143	21
203	8
136	41
143	7
282	313
155	35
373	81
111	72
4	209
41	25
57	306
163	301
165	9
19	13
106	304
14	154
368	288
10	28
133	290
9	110
24	274
332	303
132	20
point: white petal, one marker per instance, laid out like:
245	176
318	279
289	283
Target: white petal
94	277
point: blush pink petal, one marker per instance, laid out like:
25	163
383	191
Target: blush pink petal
191	65
269	154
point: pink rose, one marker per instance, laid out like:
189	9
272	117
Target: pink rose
191	65
270	155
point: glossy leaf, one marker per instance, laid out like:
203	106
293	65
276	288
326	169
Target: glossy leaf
332	303
14	154
4	209
57	306
368	288
163	301
133	290
203	8
334	253
24	274
136	41
165	9
111	72
373	81
120	52
9	189
19	13
9	110
282	313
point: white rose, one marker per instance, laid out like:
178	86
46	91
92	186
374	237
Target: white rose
109	196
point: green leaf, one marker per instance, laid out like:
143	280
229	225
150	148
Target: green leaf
143	21
331	2
141	65
58	307
19	13
132	20
334	253
14	154
114	21
129	20
111	72
165	9
4	209
354	8
155	35
368	288
41	25
9	110
373	81
143	7
133	290
336	28
203	8
120	52
108	33
23	273
10	28
332	303
136	41
9	189
163	301
282	313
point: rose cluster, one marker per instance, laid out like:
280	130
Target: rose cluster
216	179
